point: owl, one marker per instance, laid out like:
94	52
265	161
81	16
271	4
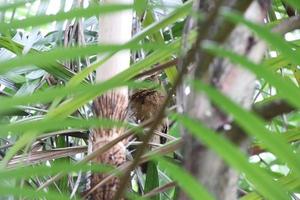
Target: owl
144	105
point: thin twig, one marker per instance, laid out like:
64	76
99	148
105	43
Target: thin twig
39	156
159	190
76	185
157	68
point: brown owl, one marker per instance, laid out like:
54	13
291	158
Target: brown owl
145	103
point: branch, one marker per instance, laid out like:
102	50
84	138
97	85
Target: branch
159	190
159	67
287	25
233	82
273	109
266	111
289	10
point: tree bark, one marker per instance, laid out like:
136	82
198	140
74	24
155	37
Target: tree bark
113	29
236	83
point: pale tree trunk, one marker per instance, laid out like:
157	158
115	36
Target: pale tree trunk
236	83
113	29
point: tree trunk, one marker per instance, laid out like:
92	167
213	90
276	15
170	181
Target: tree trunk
113	29
236	83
